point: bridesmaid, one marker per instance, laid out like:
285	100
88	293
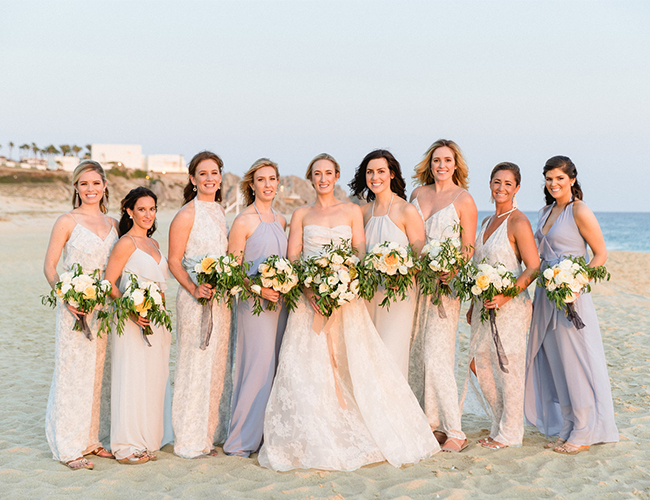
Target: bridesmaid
379	181
568	393
200	408
84	236
257	233
507	238
140	392
445	205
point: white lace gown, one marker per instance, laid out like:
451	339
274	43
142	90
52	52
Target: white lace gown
501	394
432	364
394	323
72	419
140	390
305	425
203	385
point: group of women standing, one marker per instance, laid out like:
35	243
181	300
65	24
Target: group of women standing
367	384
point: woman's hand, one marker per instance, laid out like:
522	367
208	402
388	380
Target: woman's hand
310	297
496	302
468	316
74	311
141	321
445	278
203	291
270	294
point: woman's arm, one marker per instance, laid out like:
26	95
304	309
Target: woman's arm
358	231
414	226
116	262
468	215
294	246
58	238
591	232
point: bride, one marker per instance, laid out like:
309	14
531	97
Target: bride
351	407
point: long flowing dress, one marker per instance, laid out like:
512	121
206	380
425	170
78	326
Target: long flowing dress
306	425
258	343
72	419
500	394
394	324
432	365
202	387
568	393
140	390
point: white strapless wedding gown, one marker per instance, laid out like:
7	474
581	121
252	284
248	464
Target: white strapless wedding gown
306	426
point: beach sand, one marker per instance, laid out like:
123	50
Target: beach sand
26	363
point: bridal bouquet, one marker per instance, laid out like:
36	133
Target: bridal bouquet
224	274
566	280
390	265
333	276
140	298
483	282
278	274
83	291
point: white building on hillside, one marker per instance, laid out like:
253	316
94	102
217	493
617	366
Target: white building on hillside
67	163
166	164
126	155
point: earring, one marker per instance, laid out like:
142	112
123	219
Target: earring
514	201
131	217
194	189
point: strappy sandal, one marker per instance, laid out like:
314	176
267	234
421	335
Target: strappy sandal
150	455
100	452
558	442
492	444
135	459
457	445
78	464
570	449
440	436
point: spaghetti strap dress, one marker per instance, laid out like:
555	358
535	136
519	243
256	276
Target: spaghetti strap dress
258	344
394	324
568	393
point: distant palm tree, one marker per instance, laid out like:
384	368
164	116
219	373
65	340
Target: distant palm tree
24	148
65	149
89	154
76	149
11	147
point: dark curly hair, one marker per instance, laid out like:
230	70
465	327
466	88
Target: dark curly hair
189	193
359	187
565	164
126	223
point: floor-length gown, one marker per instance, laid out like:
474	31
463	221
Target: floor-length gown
567	393
394	324
432	364
501	394
72	420
140	390
202	385
258	343
338	401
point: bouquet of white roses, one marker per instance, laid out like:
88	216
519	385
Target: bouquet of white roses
224	274
390	265
280	275
333	276
83	291
483	282
566	280
140	298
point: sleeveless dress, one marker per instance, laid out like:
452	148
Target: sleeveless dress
258	344
72	419
500	394
202	385
568	393
394	325
432	365
306	426
140	391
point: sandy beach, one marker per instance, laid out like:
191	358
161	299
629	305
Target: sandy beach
611	471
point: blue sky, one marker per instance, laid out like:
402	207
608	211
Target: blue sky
513	81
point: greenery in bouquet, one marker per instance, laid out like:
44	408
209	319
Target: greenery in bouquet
280	275
225	275
439	257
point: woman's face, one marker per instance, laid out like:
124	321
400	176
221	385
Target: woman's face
504	187
443	163
90	187
324	176
378	175
144	212
265	183
558	183
207	178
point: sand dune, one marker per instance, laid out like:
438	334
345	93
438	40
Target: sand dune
28	471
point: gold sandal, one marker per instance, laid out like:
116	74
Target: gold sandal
78	464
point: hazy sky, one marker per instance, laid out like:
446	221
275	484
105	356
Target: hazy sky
516	81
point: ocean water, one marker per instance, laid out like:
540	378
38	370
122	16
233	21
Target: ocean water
628	231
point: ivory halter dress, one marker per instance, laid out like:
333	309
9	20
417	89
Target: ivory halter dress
501	394
568	393
432	371
140	391
202	386
258	344
72	420
394	324
306	425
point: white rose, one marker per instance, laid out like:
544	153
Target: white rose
403	269
354	287
344	276
551	286
332	280
323	288
73	303
256	289
156	297
198	269
106	286
575	286
549	273
571	298
337	259
66	277
137	296
565	265
476	290
65	288
235	290
564	276
308	280
282	265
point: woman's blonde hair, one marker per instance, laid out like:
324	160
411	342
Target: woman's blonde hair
322	156
82	168
423	174
245	185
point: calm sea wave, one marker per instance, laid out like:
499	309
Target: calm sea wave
628	231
